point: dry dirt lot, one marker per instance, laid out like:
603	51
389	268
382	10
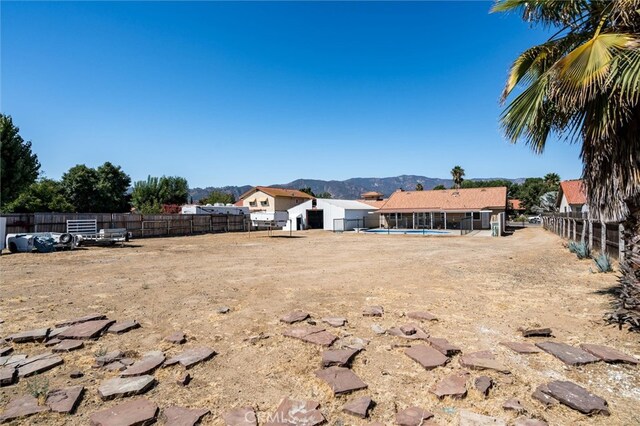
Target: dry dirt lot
482	289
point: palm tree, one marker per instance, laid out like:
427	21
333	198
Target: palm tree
419	187
457	173
552	180
583	83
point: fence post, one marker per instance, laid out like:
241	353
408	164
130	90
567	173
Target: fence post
584	229
590	234
621	244
603	237
575	229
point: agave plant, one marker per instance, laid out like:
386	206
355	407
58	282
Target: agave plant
583	83
603	263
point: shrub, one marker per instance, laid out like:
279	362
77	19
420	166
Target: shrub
603	263
580	249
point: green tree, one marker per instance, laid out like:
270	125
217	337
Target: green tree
79	185
149	196
552	180
439	187
112	187
45	195
19	166
325	195
218	197
584	83
419	187
307	190
457	173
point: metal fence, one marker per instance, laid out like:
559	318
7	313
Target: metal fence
341	225
603	237
466	225
140	226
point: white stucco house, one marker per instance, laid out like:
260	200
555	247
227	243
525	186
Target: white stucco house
572	197
332	215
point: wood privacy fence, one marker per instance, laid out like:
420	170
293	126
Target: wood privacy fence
140	226
601	237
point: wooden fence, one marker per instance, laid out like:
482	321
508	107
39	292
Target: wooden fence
140	226
601	237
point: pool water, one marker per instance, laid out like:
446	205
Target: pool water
406	231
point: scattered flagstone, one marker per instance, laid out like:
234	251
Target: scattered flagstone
68	346
483	384
577	397
541	394
64	400
513	404
191	357
570	355
409	331
123	326
358	406
38	364
537	332
183	379
89	317
223	310
147	365
52	342
8	375
351	342
341	380
469	418
295	316
256	338
422	315
180	416
523	421
5	350
378	329
521	347
454	386
426	356
339	357
125	386
76	374
12	359
412	416
140	411
443	346
373	311
483	360
291	412
115	366
54	332
86	330
37	335
608	354
176	337
335	321
22	406
108	358
244	416
311	334
128	361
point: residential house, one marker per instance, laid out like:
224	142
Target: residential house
572	197
515	206
269	199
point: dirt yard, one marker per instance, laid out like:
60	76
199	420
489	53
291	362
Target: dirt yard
482	290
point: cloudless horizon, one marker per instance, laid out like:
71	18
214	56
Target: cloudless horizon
258	93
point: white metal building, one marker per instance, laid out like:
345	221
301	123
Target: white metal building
332	215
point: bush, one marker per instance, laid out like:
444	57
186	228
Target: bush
603	263
580	249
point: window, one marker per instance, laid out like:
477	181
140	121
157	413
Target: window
468	214
476	215
253	203
264	203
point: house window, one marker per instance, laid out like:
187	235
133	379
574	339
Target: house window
253	203
468	214
264	203
476	215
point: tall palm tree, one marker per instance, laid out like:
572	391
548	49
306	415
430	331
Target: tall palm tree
583	83
457	174
552	180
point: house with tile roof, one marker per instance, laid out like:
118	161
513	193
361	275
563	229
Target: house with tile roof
443	209
572	197
270	199
516	206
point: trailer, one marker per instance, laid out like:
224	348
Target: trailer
218	208
86	231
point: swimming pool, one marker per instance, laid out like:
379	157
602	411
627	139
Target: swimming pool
406	231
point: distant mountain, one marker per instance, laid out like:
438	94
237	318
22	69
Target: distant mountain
349	189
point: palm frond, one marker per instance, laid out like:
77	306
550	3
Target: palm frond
625	77
546	12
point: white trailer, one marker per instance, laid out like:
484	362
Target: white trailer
269	220
217	208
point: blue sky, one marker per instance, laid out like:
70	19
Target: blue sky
266	92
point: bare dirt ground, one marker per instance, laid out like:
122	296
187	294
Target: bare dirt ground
482	290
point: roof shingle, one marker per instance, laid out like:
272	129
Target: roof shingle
277	192
574	191
471	199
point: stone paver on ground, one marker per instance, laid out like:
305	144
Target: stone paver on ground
183	379
295	316
123	326
537	332
8	375
334	321
86	330
20	407
146	365
40	365
568	354
521	347
577	397
125	386
191	357
311	334
85	318
469	418
454	386
608	354
13	359
358	407
444	346
412	416
108	358
421	315
37	335
541	394
244	416
426	356
338	357
292	412
482	361
138	412
409	331
176	337
341	380
513	404
181	416
373	311
64	400
5	350
67	346
483	384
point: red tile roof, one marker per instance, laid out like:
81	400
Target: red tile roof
574	191
277	192
516	204
471	199
374	203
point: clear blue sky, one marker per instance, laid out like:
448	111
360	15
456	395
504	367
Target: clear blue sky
267	92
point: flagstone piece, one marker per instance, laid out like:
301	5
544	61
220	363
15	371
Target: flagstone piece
54	332
184	379
454	386
12	359
8	375
444	346
292	412
537	332
191	357
180	416
123	326
483	384
608	354
5	350
409	331
52	342
86	330
339	357
577	397
125	386
295	316
570	355
412	416
20	407
311	334
68	346
37	335
469	418
482	360
341	380
521	347
426	356
85	318
358	406
335	321
39	365
422	315
176	337
108	358
139	412
146	365
244	416
513	404
64	400
373	311
541	394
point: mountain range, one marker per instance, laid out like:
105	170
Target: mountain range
349	189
